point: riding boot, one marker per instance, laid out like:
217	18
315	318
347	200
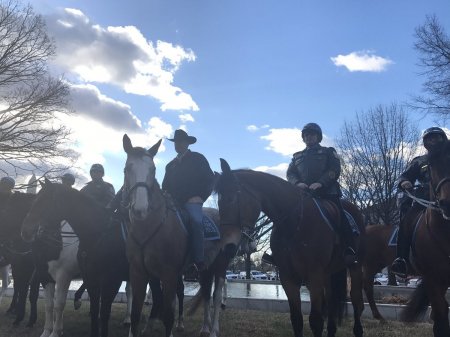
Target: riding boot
196	237
400	265
267	258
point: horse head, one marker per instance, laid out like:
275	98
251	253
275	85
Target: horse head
43	212
139	178
239	209
439	162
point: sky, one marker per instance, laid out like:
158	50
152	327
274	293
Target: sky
242	76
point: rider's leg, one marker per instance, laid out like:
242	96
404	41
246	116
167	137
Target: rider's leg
197	235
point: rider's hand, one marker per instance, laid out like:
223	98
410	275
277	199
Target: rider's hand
303	186
315	186
406	185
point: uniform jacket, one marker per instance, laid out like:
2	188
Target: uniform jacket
101	191
316	164
187	177
417	171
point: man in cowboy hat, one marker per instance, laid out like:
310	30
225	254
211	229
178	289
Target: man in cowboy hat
188	179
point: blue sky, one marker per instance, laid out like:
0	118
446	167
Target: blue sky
241	76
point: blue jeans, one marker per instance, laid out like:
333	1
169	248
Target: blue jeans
195	211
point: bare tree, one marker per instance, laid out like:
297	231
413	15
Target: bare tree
31	138
433	45
376	148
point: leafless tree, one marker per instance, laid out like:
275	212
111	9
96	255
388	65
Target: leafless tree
433	45
375	148
31	137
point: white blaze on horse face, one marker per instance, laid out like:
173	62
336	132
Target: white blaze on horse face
141	172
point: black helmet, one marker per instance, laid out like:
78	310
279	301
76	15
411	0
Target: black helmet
69	177
313	127
8	182
434	131
97	167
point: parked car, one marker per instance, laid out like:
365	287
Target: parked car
257	275
272	276
381	279
413	282
231	276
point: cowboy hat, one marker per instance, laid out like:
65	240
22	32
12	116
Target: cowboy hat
181	135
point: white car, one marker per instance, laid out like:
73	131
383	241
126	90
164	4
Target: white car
257	275
272	276
413	282
381	279
229	275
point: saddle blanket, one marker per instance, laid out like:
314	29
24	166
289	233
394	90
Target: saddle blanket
332	224
210	230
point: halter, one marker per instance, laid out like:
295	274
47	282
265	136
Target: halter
127	192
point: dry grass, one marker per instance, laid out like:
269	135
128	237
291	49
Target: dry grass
234	323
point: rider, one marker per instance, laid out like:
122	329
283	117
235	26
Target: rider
98	189
68	179
417	170
6	185
188	179
317	169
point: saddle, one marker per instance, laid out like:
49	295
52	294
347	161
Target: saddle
210	230
327	209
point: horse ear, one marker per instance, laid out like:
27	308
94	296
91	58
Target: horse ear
154	149
127	146
224	166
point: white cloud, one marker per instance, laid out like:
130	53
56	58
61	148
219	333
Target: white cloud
362	61
284	141
121	56
186	118
254	128
278	170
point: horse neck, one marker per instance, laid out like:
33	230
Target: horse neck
278	197
18	206
87	219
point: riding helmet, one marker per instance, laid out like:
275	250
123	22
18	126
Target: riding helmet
97	167
434	130
8	182
69	177
313	127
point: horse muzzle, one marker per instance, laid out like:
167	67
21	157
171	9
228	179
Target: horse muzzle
444	206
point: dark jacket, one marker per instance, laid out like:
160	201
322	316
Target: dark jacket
101	191
188	177
317	164
417	171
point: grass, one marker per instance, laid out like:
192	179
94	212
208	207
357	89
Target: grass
234	323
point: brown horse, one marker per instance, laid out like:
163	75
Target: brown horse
303	243
157	243
431	247
379	254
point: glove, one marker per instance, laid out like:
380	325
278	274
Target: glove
303	186
315	186
406	185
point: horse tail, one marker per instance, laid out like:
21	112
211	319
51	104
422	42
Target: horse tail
417	304
338	296
204	293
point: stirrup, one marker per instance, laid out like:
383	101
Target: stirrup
399	267
350	257
267	258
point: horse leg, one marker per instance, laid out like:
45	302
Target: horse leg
439	306
368	276
127	319
22	288
108	293
62	287
5	280
94	297
34	294
224	295
13	305
356	296
217	300
206	279
316	294
169	288
180	296
77	297
139	286
157	301
292	291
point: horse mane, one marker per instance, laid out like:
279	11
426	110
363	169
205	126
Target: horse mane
138	151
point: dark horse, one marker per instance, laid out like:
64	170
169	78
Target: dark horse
14	208
101	253
157	243
302	241
431	247
378	254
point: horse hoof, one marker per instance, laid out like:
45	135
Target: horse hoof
77	304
